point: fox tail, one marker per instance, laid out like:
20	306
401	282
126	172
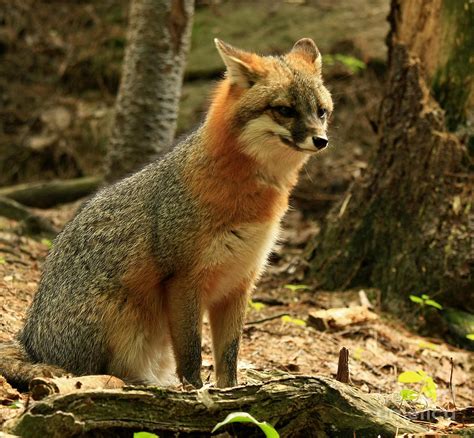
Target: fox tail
17	367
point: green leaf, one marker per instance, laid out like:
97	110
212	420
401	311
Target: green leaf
470	336
357	354
244	417
429	389
47	242
410	377
328	60
430	345
297	321
434	303
416	299
255	305
2	260
409	394
425	297
352	63
295	287
17	404
145	435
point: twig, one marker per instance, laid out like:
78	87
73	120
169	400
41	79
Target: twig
259	321
28	399
343	366
18	261
268	301
459	175
451	382
8	251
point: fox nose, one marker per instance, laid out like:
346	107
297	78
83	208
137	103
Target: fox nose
320	142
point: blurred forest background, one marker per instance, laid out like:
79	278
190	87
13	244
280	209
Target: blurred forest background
61	65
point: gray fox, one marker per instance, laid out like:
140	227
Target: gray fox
127	281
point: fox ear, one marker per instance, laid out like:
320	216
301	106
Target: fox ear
242	67
307	49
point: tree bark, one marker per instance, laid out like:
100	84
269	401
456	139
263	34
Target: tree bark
406	226
147	103
296	406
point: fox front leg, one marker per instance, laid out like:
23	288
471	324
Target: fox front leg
227	318
185	319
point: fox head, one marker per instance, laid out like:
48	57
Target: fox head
277	105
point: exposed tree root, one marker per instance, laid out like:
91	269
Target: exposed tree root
51	193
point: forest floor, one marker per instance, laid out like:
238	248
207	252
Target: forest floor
279	335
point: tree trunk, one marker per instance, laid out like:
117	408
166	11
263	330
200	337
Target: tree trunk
147	103
296	406
406	226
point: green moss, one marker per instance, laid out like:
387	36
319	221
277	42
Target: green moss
453	82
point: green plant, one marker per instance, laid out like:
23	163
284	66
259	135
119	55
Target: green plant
255	305
427	345
145	435
354	65
357	354
470	336
17	404
423	382
425	300
296	321
244	417
47	242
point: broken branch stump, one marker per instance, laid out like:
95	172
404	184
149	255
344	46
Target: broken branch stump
343	374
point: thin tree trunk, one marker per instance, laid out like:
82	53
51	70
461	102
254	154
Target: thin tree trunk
406	226
148	98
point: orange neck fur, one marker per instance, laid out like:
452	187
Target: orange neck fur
231	184
221	138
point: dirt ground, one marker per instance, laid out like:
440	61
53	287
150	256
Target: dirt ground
277	336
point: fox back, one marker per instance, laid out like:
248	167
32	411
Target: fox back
128	280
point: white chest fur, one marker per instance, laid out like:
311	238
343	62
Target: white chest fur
240	253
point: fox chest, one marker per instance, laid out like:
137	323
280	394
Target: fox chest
237	256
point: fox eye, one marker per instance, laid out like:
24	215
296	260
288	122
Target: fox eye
285	111
322	113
